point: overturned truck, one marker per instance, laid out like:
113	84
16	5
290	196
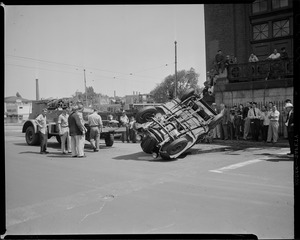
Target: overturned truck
176	126
54	107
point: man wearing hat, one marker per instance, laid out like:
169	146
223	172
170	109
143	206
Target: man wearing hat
41	121
254	114
289	123
80	114
125	123
63	128
77	133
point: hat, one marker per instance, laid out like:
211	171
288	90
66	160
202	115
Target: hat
288	105
74	108
254	103
214	104
283	48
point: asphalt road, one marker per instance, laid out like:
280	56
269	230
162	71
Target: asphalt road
214	188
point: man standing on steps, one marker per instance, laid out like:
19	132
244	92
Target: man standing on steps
95	123
41	121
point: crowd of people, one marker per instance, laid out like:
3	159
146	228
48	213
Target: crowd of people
242	121
72	130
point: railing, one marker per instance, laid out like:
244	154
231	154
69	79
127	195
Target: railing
267	69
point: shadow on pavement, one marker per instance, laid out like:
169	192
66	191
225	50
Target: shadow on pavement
284	159
141	156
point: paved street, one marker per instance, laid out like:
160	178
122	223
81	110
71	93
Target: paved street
215	188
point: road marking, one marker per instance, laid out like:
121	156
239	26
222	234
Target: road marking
237	165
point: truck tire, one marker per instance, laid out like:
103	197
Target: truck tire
148	144
177	146
188	93
31	137
145	114
109	139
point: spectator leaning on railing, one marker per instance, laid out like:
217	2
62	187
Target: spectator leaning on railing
274	56
283	54
253	58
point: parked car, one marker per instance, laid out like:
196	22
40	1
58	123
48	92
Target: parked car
174	127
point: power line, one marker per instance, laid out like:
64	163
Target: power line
51	70
79	66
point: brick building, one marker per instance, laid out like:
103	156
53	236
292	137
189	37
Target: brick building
241	29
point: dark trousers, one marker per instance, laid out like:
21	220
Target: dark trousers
132	135
265	132
224	131
255	127
231	130
125	135
43	139
291	141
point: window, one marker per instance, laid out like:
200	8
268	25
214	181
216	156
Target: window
259	6
279	3
260	31
281	28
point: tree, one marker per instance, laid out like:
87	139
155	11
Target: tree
18	95
185	80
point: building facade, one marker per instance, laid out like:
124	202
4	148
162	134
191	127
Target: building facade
16	109
241	29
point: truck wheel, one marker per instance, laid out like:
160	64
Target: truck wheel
177	146
31	137
145	114
109	140
188	93
148	144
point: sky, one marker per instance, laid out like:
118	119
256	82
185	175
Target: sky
122	49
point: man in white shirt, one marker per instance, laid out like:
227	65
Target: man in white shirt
95	123
125	123
275	55
254	114
41	121
64	131
274	124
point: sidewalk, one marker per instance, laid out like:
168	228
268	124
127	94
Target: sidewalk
221	145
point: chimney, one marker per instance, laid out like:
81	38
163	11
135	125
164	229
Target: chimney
37	91
115	94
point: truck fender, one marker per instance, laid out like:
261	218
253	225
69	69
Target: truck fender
30	123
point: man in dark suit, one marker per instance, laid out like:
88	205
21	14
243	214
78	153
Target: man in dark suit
289	123
77	132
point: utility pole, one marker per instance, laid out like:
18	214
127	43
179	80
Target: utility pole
175	90
86	103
